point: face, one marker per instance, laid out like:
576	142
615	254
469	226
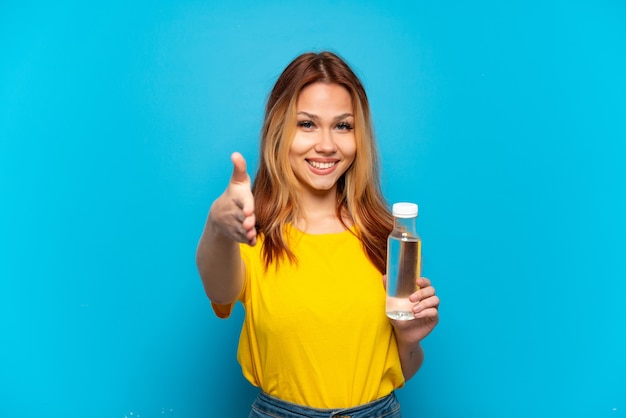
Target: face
324	145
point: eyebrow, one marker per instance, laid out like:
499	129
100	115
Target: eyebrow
315	117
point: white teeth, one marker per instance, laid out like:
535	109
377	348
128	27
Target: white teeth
321	166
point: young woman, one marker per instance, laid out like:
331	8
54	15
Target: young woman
304	249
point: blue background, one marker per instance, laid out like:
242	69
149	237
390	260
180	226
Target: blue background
505	121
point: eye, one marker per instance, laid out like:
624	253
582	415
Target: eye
306	124
344	126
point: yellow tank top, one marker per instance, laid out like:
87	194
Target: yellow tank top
315	333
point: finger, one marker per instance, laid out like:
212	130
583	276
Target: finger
248	206
240	175
244	201
242	234
423	282
249	222
428	303
431	313
247	235
251	236
422	293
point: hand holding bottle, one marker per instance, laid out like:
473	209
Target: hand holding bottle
233	212
425	310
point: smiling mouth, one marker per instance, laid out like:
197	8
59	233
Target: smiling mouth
320	165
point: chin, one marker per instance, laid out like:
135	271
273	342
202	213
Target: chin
321	188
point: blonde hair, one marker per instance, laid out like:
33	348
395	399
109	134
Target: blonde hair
359	195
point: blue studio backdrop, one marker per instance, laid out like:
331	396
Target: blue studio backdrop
504	121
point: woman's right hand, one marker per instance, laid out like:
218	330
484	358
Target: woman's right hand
233	212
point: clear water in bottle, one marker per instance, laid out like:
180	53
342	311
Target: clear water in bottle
403	269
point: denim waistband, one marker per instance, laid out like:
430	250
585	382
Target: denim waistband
269	406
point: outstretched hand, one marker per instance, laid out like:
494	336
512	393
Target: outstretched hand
233	211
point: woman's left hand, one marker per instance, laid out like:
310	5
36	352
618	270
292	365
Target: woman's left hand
426	311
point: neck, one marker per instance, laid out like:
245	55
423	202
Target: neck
319	214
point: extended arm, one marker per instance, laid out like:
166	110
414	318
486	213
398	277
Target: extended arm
230	221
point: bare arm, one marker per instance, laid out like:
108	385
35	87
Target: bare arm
409	334
411	358
230	221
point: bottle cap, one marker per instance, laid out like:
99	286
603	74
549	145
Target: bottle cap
404	210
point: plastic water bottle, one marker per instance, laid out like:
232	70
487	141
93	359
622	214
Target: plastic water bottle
404	260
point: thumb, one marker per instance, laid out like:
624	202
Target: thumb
240	175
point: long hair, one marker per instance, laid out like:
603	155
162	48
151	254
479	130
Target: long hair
359	195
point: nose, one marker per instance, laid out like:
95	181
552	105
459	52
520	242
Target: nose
326	143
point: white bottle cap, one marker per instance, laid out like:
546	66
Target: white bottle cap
404	210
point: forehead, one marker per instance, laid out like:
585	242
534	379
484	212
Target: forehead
324	96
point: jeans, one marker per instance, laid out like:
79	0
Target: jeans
267	406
